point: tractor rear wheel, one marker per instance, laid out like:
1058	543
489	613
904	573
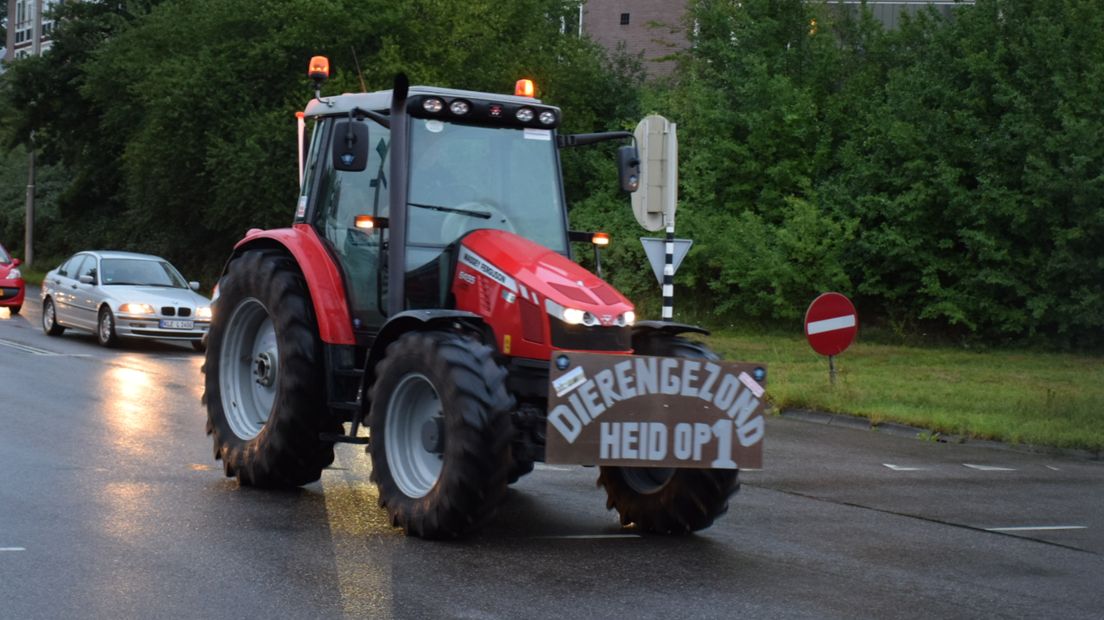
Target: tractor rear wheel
440	433
661	500
264	375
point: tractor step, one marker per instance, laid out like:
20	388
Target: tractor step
339	438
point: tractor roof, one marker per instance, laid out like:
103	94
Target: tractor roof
380	101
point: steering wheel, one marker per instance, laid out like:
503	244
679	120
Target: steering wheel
457	224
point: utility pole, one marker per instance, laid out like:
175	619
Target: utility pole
28	235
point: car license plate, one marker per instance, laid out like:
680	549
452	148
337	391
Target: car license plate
176	324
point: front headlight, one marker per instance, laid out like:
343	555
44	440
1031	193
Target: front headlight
131	308
15	274
203	312
571	316
627	319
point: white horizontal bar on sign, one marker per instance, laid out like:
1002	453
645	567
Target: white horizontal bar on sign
828	325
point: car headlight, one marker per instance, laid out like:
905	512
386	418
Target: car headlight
203	312
15	274
132	308
626	319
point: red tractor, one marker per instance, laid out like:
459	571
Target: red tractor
422	291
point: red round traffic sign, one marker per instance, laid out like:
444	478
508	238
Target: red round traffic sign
831	323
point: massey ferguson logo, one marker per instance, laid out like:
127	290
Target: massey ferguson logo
607	319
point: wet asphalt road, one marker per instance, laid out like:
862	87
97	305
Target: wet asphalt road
111	506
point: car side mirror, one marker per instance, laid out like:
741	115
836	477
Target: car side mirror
193	285
350	146
628	168
87	279
16	262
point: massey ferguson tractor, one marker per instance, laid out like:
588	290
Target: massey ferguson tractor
424	303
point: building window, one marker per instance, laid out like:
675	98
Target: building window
624	19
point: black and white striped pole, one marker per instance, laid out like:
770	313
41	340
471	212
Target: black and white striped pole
669	274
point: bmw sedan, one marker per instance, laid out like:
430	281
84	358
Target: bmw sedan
123	295
11	282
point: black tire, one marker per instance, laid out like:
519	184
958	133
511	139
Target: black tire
518	469
199	346
15	309
669	501
105	328
49	319
264	304
471	413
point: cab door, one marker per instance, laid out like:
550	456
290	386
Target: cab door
341	197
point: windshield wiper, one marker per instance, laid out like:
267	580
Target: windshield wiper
480	214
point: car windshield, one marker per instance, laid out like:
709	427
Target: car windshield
140	272
5	258
464	177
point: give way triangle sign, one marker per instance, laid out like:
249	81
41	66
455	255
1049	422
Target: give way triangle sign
654	249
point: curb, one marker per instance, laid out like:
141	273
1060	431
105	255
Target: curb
913	432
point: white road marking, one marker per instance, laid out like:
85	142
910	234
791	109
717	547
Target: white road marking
903	468
1032	528
988	467
829	325
13	549
591	536
543	467
36	351
1051	467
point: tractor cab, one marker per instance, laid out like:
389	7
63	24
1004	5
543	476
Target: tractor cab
393	180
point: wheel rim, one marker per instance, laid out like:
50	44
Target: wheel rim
105	326
647	480
413	406
48	316
249	369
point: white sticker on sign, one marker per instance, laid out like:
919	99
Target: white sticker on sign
569	381
538	134
751	384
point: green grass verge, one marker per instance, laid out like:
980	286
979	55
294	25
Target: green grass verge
1017	397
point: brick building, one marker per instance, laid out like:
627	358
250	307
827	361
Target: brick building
657	28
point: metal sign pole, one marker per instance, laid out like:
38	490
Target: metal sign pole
832	369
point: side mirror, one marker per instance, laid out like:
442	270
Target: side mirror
87	279
350	146
193	285
16	262
628	168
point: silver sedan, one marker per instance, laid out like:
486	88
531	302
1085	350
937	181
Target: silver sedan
124	295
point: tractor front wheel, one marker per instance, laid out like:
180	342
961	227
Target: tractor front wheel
264	377
440	433
661	500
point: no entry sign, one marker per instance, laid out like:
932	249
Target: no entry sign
831	324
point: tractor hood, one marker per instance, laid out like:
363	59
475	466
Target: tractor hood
541	275
538	301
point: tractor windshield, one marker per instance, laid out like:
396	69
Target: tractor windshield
465	177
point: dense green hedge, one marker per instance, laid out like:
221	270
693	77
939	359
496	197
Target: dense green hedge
946	174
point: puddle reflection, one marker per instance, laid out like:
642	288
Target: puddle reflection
128	397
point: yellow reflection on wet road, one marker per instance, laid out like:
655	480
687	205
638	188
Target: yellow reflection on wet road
129	395
362	556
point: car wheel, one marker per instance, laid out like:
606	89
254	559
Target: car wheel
49	319
662	500
266	405
441	433
105	328
199	346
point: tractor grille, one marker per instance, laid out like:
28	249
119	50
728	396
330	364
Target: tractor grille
583	338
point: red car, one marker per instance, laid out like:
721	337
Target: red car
11	282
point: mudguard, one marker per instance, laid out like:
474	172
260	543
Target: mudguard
327	290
